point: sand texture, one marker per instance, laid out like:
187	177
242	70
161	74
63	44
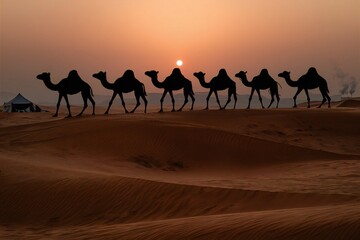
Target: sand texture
232	174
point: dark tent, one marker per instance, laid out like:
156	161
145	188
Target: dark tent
20	104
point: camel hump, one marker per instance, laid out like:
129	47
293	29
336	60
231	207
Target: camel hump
73	75
129	74
222	72
312	71
264	72
223	75
176	75
176	72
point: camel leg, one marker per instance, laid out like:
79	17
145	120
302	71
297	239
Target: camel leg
325	97
233	91
137	97
260	98
235	99
162	100
192	101
67	105
272	100
278	99
295	96
251	94
272	92
145	101
172	100
217	99
58	105
85	98
208	98
123	102
93	104
186	95
89	96
328	98
229	98
111	102
308	98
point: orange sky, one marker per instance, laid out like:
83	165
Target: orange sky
114	35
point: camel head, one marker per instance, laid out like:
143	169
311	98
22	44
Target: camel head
100	75
241	74
45	76
199	75
151	73
284	74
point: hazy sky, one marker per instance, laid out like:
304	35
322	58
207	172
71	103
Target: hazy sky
114	35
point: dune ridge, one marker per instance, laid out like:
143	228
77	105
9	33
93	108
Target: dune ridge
124	200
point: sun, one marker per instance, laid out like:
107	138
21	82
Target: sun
179	63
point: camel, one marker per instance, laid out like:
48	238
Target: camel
262	81
175	81
73	84
221	82
310	80
125	84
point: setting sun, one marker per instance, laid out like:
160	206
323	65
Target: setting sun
179	63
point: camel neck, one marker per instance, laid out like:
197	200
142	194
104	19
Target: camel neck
156	82
245	81
106	84
50	85
203	83
290	82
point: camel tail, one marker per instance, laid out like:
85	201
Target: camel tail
144	91
91	92
278	84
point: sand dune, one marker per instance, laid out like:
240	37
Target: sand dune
338	222
233	174
124	200
351	103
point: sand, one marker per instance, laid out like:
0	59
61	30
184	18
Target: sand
233	174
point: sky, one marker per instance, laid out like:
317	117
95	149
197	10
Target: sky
57	36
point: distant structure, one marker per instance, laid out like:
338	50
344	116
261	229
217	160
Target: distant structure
125	84
20	104
310	80
175	81
260	82
73	84
220	82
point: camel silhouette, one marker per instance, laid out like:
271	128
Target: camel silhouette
310	80
125	84
260	82
221	82
175	81
73	84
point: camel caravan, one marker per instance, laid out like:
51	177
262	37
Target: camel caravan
127	83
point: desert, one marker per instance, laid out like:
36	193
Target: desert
230	174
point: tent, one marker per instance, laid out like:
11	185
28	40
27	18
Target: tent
20	104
